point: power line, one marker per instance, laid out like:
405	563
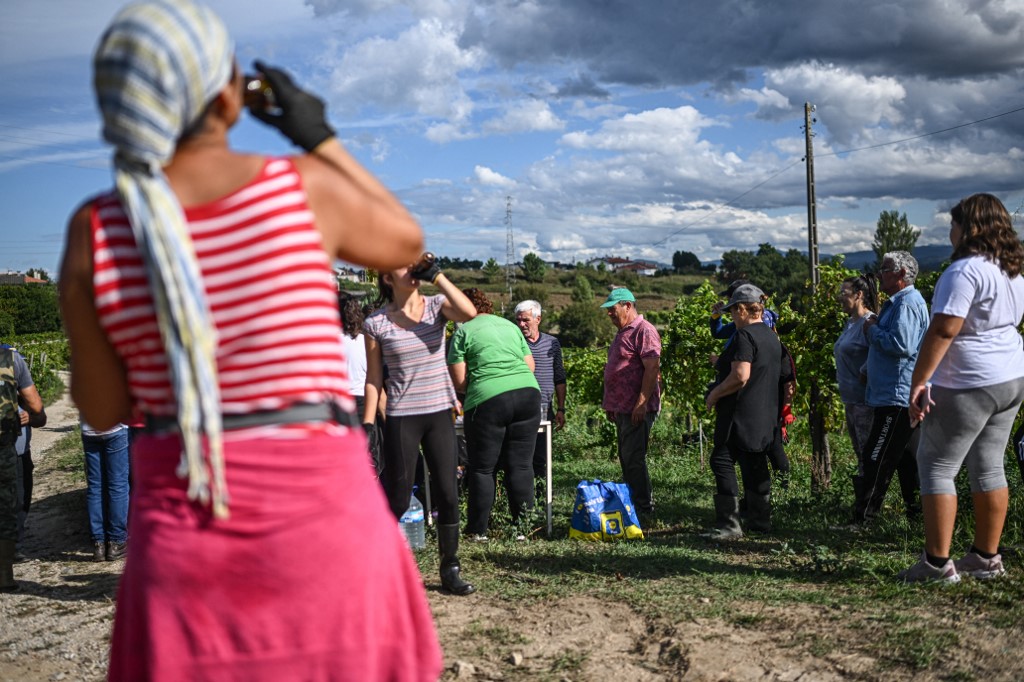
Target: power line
836	153
918	137
728	203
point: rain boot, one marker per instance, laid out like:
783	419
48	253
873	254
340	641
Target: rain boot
7	583
759	512
448	545
727	519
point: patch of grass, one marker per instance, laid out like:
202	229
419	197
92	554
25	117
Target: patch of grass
811	568
68	454
569	661
917	647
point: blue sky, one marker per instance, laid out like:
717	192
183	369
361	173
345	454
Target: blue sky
618	128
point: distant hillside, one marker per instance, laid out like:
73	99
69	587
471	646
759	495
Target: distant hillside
928	257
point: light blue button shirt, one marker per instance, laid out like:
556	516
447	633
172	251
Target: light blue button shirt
894	345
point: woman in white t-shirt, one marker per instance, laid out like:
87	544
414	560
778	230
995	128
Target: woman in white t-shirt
969	383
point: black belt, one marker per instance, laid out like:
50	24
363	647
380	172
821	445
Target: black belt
296	414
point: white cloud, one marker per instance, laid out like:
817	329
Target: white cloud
486	176
525	116
652	131
847	101
419	69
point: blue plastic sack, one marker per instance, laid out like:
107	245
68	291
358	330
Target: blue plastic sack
604	512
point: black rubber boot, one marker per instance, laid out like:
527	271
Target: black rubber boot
759	512
727	519
448	545
7	582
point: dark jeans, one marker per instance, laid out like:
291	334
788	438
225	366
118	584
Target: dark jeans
401	449
633	442
777	455
886	452
106	478
501	431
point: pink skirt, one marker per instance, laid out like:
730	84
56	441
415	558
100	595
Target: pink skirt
309	579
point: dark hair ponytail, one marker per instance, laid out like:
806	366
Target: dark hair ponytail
867	284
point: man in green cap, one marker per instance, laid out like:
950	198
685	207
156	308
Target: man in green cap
632	394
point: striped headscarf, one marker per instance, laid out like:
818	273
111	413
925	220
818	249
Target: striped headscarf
157	67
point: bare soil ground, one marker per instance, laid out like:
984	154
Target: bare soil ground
57	626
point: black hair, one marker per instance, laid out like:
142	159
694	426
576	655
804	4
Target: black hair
866	284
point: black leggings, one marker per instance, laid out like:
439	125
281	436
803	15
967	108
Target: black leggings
402	439
501	432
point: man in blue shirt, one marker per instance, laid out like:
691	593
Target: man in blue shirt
894	339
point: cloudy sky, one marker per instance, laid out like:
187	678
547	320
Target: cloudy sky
631	128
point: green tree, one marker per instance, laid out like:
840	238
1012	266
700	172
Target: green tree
777	274
533	268
32	308
492	271
893	233
684	261
582	292
582	325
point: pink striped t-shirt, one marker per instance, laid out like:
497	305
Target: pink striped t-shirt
418	380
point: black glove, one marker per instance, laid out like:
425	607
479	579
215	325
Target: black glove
302	118
427	273
373	444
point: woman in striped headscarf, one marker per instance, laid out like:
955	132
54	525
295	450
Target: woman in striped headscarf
199	293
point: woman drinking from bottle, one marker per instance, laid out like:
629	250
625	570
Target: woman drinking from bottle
199	292
407	334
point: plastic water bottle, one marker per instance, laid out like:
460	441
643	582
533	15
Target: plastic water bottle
413	524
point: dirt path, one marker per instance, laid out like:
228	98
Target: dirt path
58	626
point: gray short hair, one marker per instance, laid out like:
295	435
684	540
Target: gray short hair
903	261
528	306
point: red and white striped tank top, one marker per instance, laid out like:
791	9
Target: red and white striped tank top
270	289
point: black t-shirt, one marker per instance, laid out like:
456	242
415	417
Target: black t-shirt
753	412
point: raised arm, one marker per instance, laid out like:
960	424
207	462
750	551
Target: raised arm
359	220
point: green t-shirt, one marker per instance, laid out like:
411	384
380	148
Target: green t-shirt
493	349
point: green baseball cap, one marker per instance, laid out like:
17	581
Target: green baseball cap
619	295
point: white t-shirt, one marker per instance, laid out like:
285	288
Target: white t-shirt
988	350
355	354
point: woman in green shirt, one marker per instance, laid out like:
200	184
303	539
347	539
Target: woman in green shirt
490	362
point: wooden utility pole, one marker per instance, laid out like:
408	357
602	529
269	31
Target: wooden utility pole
821	455
812	211
510	249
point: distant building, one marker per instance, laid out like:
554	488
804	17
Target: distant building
17	278
346	274
615	264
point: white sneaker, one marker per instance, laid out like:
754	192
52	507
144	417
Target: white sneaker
924	572
977	566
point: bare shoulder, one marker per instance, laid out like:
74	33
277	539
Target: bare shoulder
78	243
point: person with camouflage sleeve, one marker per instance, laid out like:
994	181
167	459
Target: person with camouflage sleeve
16	390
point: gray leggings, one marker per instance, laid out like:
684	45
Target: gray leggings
969	425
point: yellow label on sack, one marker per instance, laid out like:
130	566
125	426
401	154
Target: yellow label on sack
611	524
